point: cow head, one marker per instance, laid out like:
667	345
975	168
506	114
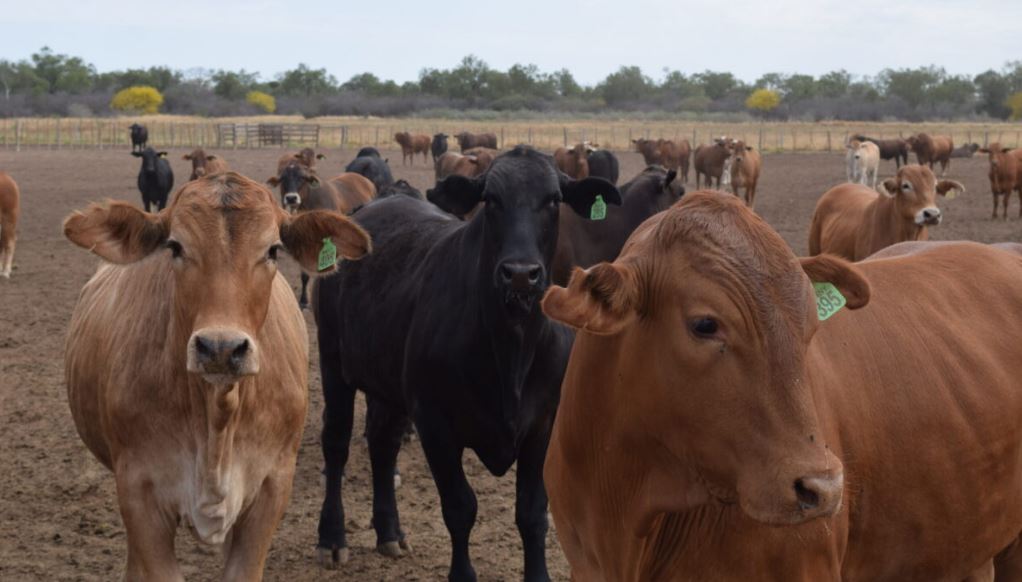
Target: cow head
522	193
308	156
198	158
995	152
149	159
221	238
707	318
739	148
294	179
915	190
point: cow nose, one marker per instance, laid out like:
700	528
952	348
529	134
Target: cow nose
222	356
931	215
520	276
292	199
820	495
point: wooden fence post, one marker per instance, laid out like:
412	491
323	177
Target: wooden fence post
565	137
17	136
760	145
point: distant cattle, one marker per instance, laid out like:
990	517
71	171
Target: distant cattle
204	164
719	422
604	164
411	144
854	221
458	343
966	151
582	242
931	150
9	210
438	146
1005	175
468	140
187	365
155	179
675	156
369	164
575	161
745	168
709	161
890	149
650	150
863	161
139	137
453	163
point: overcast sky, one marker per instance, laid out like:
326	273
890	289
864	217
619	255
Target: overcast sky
395	39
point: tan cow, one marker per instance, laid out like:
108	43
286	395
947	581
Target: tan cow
204	164
650	150
575	161
411	144
9	210
1005	175
451	162
675	156
712	427
745	166
187	371
863	162
853	221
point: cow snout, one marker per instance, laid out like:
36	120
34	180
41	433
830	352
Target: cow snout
520	277
222	356
292	199
929	216
819	495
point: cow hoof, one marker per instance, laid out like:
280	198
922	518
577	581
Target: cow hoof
331	559
394	549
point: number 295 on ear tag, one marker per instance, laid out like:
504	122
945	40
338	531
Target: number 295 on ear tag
828	300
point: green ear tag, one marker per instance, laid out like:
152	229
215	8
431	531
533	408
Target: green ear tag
327	255
599	209
828	300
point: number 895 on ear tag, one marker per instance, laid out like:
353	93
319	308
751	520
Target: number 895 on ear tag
828	300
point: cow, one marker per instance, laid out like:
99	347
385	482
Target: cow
675	156
438	146
932	149
411	144
719	422
302	190
584	243
468	140
604	164
401	187
854	221
1005	175
9	209
442	323
744	168
155	178
890	149
186	365
863	162
204	164
966	151
453	163
139	137
650	150
575	161
709	160
369	164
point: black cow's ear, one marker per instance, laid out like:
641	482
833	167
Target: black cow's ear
457	195
671	175
581	194
162	154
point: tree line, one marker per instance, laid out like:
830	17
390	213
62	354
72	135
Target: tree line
51	84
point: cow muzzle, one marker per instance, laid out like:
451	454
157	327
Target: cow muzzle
521	282
790	497
928	217
221	355
292	200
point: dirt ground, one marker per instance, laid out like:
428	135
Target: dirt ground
58	510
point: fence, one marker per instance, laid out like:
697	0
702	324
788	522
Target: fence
170	132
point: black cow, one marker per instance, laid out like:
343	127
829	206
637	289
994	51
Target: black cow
139	137
368	151
439	145
369	164
442	322
890	149
401	187
603	164
155	178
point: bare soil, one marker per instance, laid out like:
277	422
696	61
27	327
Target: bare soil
58	509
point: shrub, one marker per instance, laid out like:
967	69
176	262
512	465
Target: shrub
264	101
138	99
763	100
1015	104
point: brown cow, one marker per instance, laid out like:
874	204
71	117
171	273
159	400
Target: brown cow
711	427
650	150
204	164
675	156
932	149
1005	175
575	161
454	163
187	372
9	210
709	161
484	155
745	168
307	157
854	221
411	144
468	140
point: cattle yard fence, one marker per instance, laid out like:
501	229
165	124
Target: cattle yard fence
100	133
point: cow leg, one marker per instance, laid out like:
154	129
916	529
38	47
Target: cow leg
1008	563
249	540
384	433
150	532
338	417
303	299
457	500
7	241
531	504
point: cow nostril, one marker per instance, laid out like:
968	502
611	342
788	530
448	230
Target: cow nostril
506	273
807	498
534	275
204	347
240	351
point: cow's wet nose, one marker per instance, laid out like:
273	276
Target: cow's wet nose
819	495
520	276
222	355
292	199
931	215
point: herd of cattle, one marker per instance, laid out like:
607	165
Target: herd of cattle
697	402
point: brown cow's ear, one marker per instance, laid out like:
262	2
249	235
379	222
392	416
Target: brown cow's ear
950	188
320	157
890	186
273	181
313	181
210	157
848	279
601	300
310	236
983	151
187	157
117	231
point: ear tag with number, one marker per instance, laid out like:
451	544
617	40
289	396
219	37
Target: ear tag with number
828	300
327	255
598	211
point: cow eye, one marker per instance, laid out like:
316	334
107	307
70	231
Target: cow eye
906	186
704	327
271	255
176	250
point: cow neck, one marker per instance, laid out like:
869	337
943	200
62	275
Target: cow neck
887	220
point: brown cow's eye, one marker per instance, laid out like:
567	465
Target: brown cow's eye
175	249
271	255
704	327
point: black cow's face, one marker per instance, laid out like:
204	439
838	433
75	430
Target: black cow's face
292	181
149	158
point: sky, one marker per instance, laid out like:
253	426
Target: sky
395	39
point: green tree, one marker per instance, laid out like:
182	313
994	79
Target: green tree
61	72
305	82
993	89
834	84
565	83
233	85
716	85
1015	104
798	88
676	84
627	85
913	86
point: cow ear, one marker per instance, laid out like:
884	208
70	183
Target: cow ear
890	186
581	194
210	158
457	195
748	148
1005	150
187	157
317	238
671	175
320	157
983	151
313	181
273	181
848	279
137	154
117	231
950	188
162	154
600	300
